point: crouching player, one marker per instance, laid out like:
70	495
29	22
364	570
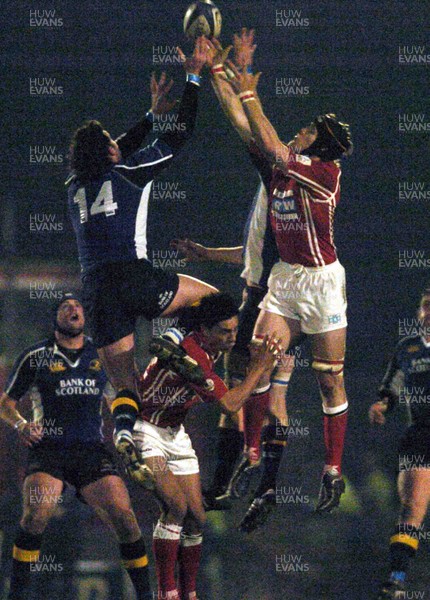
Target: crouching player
166	449
408	379
67	384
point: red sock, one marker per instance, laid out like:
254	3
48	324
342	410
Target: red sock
189	555
165	545
254	411
335	420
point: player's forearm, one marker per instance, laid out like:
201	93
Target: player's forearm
232	107
263	132
183	125
235	398
8	412
225	255
132	140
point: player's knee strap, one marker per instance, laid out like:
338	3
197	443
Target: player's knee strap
335	411
332	367
191	539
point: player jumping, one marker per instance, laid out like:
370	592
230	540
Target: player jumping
108	202
165	447
307	286
67	384
408	379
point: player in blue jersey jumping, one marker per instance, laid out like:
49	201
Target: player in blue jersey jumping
108	197
407	380
67	384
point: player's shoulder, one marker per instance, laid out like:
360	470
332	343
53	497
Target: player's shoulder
37	348
192	344
409	344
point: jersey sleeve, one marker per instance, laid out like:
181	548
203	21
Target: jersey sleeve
132	140
141	167
186	118
22	376
219	388
393	379
315	175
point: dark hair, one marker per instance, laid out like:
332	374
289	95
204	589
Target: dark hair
333	140
89	152
211	309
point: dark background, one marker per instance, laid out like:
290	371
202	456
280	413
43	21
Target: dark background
102	57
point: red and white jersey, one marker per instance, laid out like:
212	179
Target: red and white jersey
302	203
167	397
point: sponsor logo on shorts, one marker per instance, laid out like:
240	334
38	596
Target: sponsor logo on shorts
164	298
333	319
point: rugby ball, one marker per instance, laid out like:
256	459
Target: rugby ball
202	18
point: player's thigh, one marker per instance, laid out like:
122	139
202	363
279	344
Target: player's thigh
329	345
41	495
167	487
118	361
414	492
191	487
190	290
287	330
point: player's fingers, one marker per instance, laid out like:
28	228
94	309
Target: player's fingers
257	78
168	86
233	68
226	52
181	54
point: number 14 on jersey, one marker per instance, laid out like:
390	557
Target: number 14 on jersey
102	204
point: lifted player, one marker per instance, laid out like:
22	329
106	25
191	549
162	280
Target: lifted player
408	379
258	255
108	203
166	448
307	286
67	383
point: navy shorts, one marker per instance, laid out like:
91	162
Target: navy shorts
116	294
414	448
79	464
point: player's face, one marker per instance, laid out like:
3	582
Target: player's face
70	317
222	336
424	312
114	152
304	138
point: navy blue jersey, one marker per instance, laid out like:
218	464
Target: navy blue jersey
109	214
66	393
407	378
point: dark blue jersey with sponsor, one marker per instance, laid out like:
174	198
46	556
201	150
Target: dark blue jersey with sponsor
66	390
407	378
109	214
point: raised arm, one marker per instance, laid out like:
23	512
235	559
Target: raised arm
263	132
132	140
227	98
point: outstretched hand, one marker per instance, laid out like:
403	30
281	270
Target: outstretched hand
195	63
191	250
243	81
244	48
265	352
217	55
160	104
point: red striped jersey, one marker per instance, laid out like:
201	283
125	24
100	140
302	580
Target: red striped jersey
167	397
302	204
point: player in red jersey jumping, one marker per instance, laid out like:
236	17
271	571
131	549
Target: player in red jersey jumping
307	286
164	446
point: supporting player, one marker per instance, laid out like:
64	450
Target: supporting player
307	286
67	384
408	379
166	449
108	203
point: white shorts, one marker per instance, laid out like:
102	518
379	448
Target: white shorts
173	444
315	296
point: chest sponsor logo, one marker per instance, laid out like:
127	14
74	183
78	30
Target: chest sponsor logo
78	386
95	365
57	366
285	210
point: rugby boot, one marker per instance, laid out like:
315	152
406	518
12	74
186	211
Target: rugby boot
258	512
137	471
332	488
175	358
